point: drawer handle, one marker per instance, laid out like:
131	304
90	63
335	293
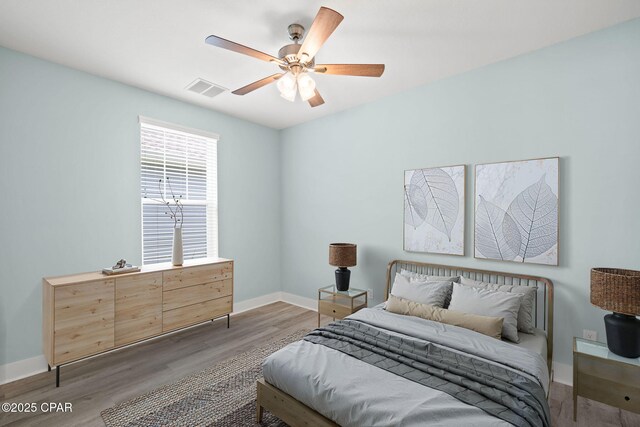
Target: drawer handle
334	311
627	398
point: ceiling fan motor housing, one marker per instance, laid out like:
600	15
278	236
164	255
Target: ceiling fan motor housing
289	54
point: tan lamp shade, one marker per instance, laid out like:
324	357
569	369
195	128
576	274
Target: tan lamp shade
342	254
616	290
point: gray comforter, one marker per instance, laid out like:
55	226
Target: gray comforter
503	393
354	393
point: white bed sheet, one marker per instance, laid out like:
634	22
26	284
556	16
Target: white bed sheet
354	393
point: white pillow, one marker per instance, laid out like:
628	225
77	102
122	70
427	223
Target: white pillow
430	292
489	303
425	277
526	317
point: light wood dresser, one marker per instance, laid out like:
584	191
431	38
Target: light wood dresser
90	313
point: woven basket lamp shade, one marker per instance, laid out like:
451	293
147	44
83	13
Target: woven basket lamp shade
342	255
618	290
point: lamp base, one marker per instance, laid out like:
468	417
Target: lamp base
623	334
342	278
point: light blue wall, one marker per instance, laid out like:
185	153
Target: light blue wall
69	174
69	154
580	100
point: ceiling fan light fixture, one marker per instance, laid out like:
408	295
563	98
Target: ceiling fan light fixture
288	86
306	94
306	86
289	94
287	82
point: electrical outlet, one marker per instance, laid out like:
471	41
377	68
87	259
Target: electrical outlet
589	335
370	294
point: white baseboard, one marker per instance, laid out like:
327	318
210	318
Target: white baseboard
304	302
563	373
22	368
250	304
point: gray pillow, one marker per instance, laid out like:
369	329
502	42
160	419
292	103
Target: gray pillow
485	302
525	314
428	292
425	277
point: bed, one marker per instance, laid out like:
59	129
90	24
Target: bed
318	381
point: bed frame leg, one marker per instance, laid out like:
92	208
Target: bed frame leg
259	408
259	412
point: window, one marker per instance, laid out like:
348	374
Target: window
182	162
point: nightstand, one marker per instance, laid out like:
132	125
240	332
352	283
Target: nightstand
601	375
340	304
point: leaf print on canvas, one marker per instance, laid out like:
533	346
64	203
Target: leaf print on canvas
497	234
535	210
439	193
516	216
434	210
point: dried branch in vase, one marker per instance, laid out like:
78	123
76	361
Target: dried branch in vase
175	206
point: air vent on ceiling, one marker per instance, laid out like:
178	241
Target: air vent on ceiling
213	91
205	88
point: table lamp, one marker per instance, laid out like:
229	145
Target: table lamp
342	255
618	290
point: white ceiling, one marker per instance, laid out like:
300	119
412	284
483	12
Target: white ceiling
158	45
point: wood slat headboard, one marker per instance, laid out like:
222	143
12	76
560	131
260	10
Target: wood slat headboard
543	309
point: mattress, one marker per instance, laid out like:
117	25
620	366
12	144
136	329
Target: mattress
354	393
536	342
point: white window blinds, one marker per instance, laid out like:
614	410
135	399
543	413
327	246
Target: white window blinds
182	162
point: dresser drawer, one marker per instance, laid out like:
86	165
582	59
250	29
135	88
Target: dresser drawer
189	276
332	309
138	307
84	320
193	294
196	313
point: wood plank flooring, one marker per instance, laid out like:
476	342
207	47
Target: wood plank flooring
98	383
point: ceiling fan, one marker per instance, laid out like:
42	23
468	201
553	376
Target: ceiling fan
297	60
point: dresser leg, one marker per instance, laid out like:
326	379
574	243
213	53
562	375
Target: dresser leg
228	320
49	367
57	376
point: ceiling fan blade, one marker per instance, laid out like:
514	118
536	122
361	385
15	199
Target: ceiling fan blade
364	70
257	85
325	22
316	99
236	47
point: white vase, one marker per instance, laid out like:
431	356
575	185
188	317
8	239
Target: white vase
177	258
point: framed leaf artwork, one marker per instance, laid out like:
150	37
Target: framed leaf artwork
434	210
516	211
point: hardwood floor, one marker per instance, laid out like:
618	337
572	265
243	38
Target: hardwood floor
96	384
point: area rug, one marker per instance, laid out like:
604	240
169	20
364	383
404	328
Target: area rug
222	395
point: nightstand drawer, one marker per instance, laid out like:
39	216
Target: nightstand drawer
332	309
624	375
612	393
599	375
